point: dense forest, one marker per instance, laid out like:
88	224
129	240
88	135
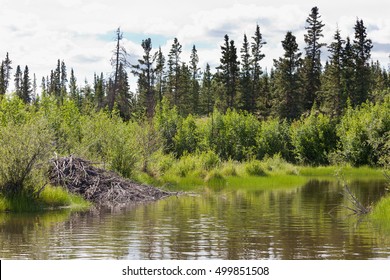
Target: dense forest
301	110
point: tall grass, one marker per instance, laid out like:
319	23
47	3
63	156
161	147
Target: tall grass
49	198
380	213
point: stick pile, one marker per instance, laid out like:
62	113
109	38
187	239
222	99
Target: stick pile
98	185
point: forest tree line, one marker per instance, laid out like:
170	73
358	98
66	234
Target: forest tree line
297	82
301	111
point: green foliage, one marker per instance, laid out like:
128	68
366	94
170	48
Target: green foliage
364	134
167	121
64	121
13	110
274	138
232	135
186	138
109	140
209	160
215	179
255	168
313	138
25	149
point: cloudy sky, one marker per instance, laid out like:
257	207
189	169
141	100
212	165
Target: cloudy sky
82	32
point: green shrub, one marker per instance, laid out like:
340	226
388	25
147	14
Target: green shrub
186	138
254	168
364	134
109	140
313	138
215	179
167	121
209	160
274	138
232	135
25	150
229	168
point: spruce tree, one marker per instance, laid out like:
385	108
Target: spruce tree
207	96
119	62
173	74
18	82
257	56
2	79
73	89
145	72
5	74
159	71
229	72
63	81
287	87
332	85
194	69
247	95
348	71
26	89
99	87
312	63
362	48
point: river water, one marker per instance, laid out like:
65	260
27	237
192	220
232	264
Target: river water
307	222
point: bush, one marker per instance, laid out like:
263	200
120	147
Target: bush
364	134
25	150
167	121
274	138
215	179
209	160
232	135
186	138
313	138
109	140
254	168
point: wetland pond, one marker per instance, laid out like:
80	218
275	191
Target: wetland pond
306	222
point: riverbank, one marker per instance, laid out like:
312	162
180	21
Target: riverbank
195	172
50	198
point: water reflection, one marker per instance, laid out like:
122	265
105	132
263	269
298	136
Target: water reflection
300	223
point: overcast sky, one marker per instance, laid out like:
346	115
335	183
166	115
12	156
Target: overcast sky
82	32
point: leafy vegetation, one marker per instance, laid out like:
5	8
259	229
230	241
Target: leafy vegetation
180	127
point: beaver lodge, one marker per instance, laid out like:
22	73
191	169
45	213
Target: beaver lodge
100	186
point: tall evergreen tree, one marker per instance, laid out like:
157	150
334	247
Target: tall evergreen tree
159	70
73	89
2	79
229	74
257	55
63	80
5	74
332	86
247	95
312	63
287	86
145	72
348	71
99	87
206	93
119	62
362	47
193	67
18	82
173	74
26	89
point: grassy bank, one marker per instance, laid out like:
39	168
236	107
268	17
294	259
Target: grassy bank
194	172
49	198
380	214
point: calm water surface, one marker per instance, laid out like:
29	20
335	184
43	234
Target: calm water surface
308	222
